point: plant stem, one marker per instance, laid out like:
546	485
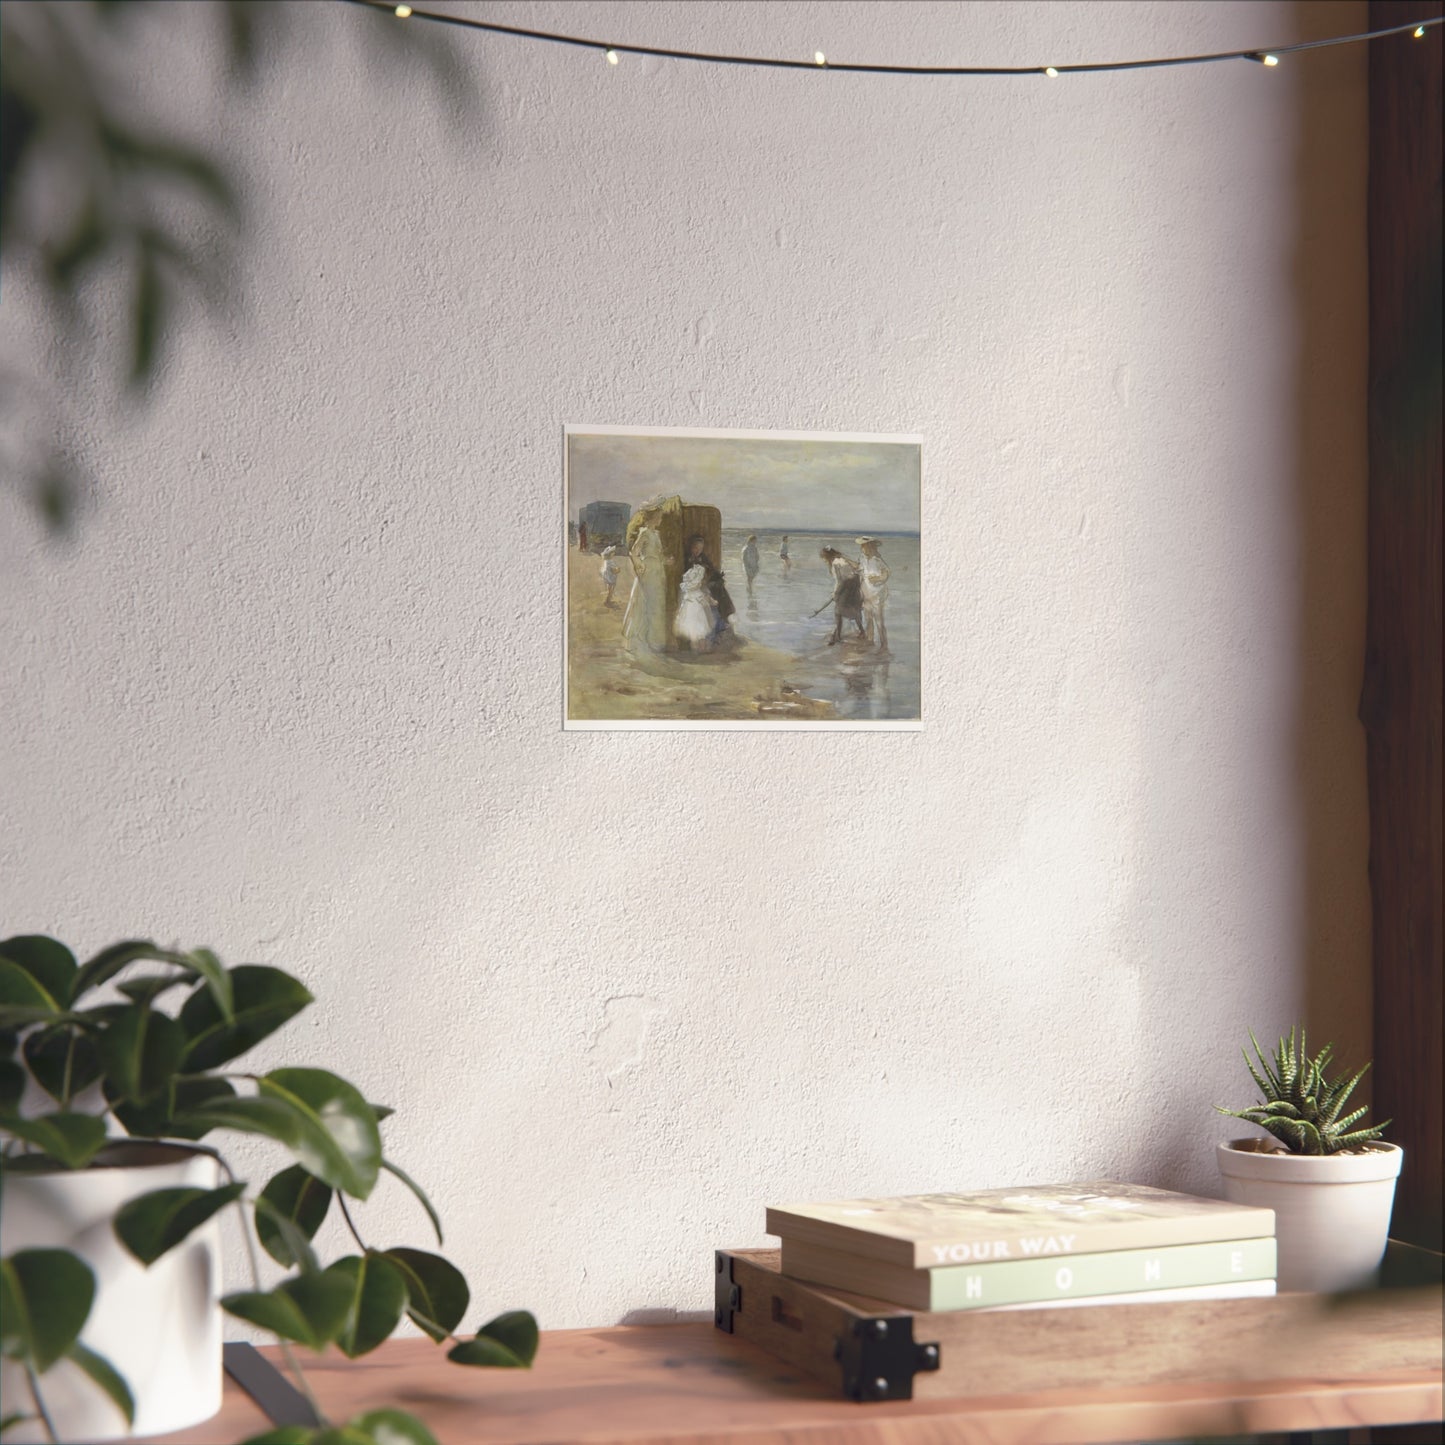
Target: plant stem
69	1067
292	1363
39	1403
346	1215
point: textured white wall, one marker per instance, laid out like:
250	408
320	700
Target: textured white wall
294	690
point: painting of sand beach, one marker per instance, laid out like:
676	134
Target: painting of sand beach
735	579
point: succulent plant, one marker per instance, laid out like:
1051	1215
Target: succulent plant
1301	1107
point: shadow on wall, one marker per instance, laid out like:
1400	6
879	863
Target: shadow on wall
1324	964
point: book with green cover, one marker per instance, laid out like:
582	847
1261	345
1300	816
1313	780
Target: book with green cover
924	1231
1031	1281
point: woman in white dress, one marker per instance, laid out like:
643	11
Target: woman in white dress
696	611
644	624
875	574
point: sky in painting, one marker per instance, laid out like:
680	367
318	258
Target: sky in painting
766	482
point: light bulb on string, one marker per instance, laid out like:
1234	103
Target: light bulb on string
1260	57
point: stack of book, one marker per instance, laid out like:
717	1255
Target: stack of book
1031	1247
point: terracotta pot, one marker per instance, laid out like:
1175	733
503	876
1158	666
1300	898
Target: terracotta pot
160	1327
1331	1211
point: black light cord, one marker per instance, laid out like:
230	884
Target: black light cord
612	50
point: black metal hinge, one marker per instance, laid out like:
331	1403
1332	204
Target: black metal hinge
880	1358
727	1296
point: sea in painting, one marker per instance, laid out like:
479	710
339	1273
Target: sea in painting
742	579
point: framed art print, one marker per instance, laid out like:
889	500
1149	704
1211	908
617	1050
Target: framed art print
742	579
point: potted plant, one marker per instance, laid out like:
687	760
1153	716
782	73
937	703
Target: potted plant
112	1086
1331	1185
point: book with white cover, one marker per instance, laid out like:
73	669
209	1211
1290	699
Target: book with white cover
1114	1272
1247	1289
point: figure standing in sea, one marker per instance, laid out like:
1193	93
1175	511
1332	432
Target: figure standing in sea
874	576
785	557
750	561
847	592
644	624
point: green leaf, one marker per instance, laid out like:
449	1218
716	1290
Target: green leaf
104	1374
151	1224
165	1116
416	1189
296	1243
12	1086
437	1294
331	1134
382	1111
141	1051
23	999
507	1342
378	1296
1361	1136
340	1143
50	964
310	1310
45	1299
298	1197
109	962
392	1427
14	1323
148	989
263	999
341	1435
64	1061
210	968
11	1421
73	1139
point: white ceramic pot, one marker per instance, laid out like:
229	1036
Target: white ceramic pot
1331	1211
160	1327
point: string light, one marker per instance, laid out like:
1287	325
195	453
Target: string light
612	57
1257	54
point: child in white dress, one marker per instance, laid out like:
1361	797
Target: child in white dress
696	614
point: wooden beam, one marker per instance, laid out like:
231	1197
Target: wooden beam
1400	703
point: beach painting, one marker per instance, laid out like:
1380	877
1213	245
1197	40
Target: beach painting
742	579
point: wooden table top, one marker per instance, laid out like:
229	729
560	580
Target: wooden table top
694	1385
